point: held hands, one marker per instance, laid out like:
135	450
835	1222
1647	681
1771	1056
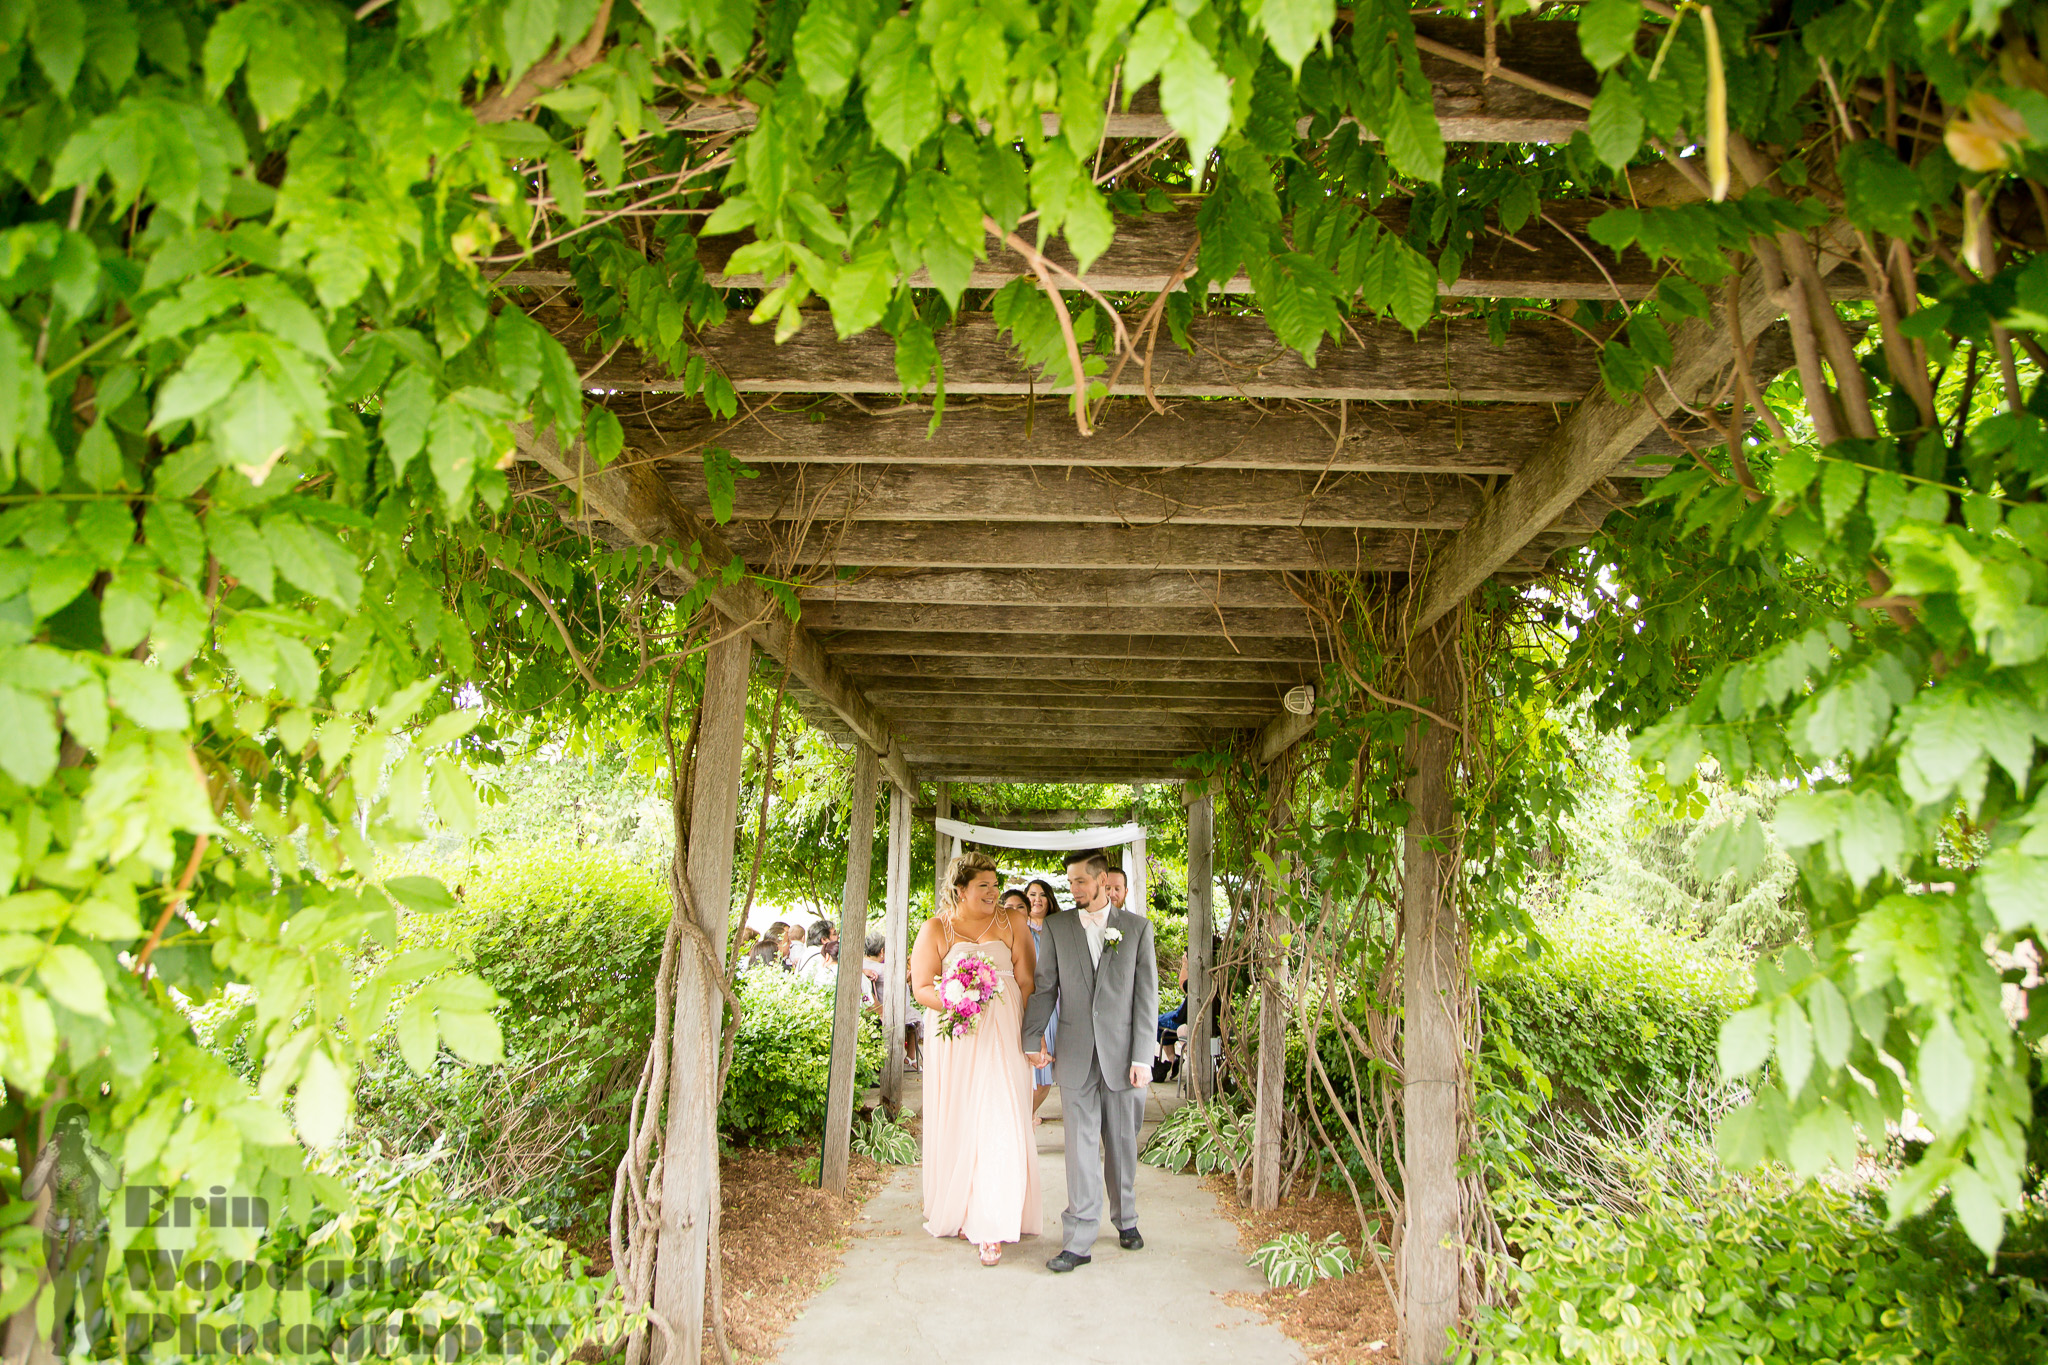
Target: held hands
1039	1059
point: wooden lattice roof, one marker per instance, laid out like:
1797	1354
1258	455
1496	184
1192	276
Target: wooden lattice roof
1007	599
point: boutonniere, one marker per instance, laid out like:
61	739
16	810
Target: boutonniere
1112	936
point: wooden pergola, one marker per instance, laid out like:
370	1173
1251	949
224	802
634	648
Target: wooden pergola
1004	599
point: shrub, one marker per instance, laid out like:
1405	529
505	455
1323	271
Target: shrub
1613	1007
571	938
1293	1261
878	1138
781	1059
471	1268
1764	1269
1212	1137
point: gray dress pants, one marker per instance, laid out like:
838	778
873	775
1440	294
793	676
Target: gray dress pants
1102	1157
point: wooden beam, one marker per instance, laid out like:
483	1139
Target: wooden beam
689	1150
1043	588
921	545
1059	708
837	1150
998	690
940	645
1141	734
1033	819
1468	108
1235	623
1192	433
1282	733
635	501
1584	447
896	945
956	672
970	771
1115	497
976	717
1233	357
1197	1064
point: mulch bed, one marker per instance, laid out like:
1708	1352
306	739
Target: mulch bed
779	1242
1345	1321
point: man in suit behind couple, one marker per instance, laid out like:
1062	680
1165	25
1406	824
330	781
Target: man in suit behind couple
1099	966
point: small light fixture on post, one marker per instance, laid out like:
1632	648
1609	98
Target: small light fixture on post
1300	700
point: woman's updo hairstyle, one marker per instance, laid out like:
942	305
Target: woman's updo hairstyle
964	868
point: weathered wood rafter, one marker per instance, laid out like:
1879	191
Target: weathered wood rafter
1233	357
976	644
1119	497
1233	623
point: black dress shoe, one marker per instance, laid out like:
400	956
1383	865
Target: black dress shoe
1130	1239
1065	1261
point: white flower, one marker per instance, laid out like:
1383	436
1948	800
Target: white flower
1112	936
953	992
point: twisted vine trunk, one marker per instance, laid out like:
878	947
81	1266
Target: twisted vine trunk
687	1210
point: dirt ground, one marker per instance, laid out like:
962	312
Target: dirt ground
779	1242
1345	1321
780	1239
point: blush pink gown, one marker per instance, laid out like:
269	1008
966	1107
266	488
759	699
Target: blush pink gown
980	1159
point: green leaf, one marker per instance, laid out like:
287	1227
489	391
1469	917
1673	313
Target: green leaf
24	404
28	1034
1615	122
56	29
829	39
28	737
1945	1075
1977	1208
1829	1013
1795	1045
1607	30
1745	1041
416	1035
901	97
146	694
73	980
242	552
473	1037
1413	139
320	1106
408	403
99	457
1841	487
455	450
1294	27
1882	192
2016	889
1822	1137
1793	471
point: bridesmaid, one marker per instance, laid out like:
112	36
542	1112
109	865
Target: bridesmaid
980	1163
1038	897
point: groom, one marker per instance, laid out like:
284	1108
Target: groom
1097	965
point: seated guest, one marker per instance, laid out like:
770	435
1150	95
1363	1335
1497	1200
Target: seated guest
871	968
801	957
823	967
768	952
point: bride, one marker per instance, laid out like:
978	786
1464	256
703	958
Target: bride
980	1160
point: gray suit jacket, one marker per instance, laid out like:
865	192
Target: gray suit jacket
1108	1011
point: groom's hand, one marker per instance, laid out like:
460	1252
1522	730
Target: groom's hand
1140	1076
1039	1059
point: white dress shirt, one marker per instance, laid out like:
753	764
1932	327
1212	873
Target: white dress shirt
1095	922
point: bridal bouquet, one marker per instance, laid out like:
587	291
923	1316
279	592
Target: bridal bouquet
964	992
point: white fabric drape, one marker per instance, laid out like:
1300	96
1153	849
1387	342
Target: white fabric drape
1049	841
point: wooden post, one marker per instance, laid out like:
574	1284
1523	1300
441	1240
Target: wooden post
942	809
689	1148
1201	930
896	947
1134	878
853	931
1266	1148
1432	1035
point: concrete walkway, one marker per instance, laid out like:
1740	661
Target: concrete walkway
907	1298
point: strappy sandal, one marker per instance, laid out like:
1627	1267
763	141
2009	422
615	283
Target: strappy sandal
991	1253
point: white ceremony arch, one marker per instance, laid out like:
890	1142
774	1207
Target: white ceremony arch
1131	838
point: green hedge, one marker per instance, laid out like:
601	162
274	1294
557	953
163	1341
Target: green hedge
776	1092
571	937
1613	1007
1763	1270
